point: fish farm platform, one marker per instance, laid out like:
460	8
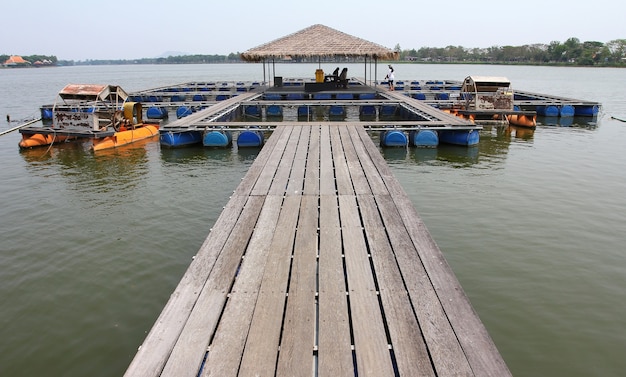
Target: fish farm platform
319	265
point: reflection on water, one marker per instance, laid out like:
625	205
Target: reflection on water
582	122
531	221
198	153
96	176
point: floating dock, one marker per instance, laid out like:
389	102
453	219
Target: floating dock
319	265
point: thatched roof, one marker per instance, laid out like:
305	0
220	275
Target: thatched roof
318	41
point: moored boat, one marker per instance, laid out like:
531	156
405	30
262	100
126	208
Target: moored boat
99	113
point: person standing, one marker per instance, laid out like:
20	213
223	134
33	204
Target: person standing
390	77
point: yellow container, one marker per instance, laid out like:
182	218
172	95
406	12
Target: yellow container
319	75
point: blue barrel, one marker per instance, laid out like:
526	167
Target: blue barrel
274	111
460	137
199	97
586	110
322	96
250	138
155	112
364	96
548	111
393	139
183	111
419	96
178	98
367	112
443	96
295	96
217	139
252	111
180	139
388	111
567	111
336	111
344	96
222	97
304	111
423	138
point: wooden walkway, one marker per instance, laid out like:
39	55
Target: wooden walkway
319	265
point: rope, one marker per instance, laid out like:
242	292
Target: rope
621	120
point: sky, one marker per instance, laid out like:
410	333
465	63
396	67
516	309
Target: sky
133	29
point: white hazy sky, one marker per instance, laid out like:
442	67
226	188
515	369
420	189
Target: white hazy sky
129	29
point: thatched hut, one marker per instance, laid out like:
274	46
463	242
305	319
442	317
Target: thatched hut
319	41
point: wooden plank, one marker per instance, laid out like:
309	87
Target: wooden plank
334	344
261	350
360	184
411	355
153	353
295	185
445	350
281	178
312	177
190	348
327	172
377	186
227	346
299	327
342	174
481	352
264	182
254	171
370	341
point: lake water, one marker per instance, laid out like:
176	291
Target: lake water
532	222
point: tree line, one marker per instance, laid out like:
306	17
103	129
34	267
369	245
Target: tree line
572	52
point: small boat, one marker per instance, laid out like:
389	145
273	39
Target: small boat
100	113
128	127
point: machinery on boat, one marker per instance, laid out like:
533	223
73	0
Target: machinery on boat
490	99
100	113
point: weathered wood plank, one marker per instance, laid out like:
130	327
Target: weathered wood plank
227	346
261	350
190	348
370	341
281	178
254	172
481	352
327	171
312	175
156	348
360	184
299	327
404	330
376	184
334	345
266	177
342	174
445	350
295	185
